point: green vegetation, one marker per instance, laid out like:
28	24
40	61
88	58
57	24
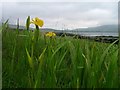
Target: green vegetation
56	62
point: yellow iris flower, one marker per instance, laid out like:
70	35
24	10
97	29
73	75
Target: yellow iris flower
37	21
50	34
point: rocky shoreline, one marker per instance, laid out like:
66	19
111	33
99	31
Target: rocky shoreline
104	39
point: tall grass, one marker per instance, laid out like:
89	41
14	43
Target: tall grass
58	62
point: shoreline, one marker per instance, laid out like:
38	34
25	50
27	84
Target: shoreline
104	39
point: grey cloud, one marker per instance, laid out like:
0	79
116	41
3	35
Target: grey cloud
64	14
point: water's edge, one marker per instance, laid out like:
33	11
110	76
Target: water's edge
105	39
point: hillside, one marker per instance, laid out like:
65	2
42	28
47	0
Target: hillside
103	28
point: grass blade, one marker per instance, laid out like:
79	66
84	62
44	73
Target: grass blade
29	59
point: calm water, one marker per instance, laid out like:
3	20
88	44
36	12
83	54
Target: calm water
96	33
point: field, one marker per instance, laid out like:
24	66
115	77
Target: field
29	61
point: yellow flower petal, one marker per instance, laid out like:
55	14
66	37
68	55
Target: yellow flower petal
50	34
37	21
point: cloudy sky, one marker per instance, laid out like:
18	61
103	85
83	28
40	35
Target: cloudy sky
63	15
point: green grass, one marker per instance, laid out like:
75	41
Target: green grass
62	62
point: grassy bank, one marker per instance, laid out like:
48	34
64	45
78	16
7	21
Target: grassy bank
57	62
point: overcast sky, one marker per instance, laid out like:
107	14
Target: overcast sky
63	15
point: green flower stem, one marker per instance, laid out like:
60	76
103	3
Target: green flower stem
37	27
36	35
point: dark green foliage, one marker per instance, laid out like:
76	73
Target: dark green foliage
58	62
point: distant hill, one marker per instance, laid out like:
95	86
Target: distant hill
103	28
23	28
15	26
